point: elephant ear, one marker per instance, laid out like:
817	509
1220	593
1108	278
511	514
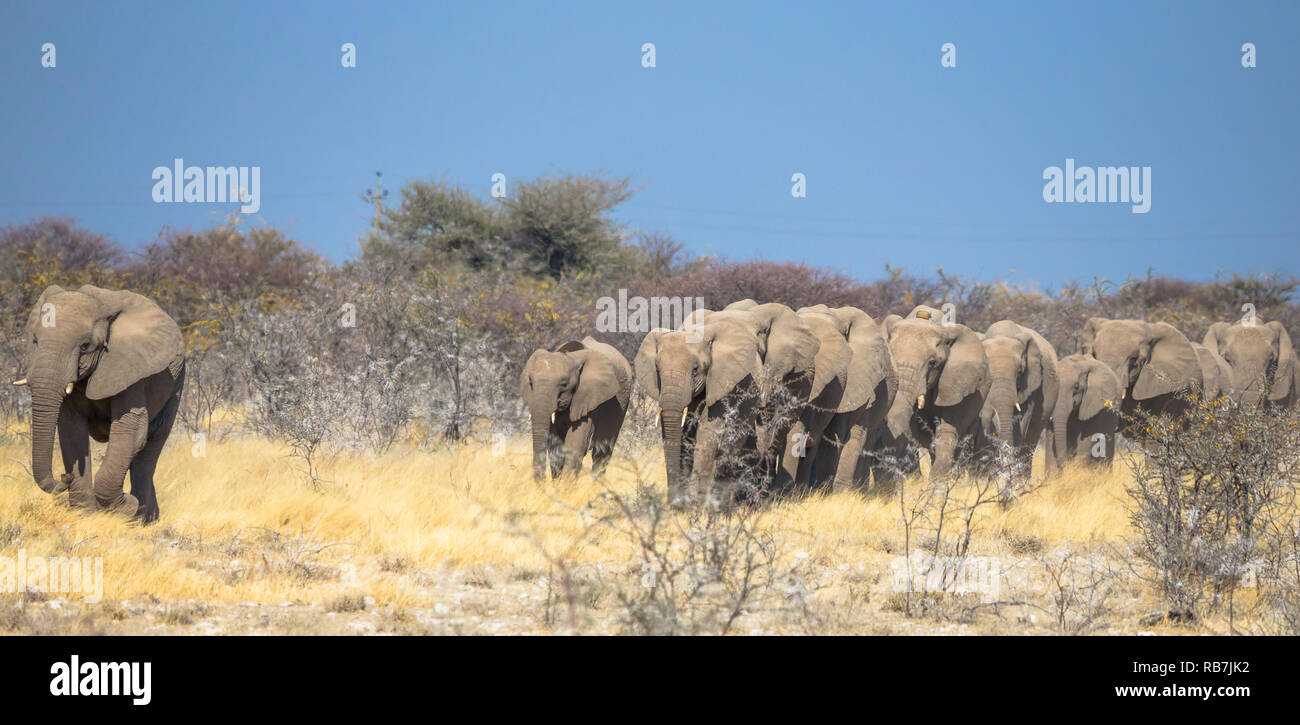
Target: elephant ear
524	387
647	362
745	304
1209	371
1285	375
967	369
870	363
598	381
1043	372
1216	336
887	325
1173	364
733	356
142	340
1100	385
1089	334
792	347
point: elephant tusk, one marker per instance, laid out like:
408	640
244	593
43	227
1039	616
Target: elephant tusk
68	390
920	400
683	424
1018	410
552	417
20	383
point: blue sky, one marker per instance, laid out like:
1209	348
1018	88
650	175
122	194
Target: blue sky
907	163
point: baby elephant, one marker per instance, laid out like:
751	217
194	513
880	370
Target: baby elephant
577	395
1086	414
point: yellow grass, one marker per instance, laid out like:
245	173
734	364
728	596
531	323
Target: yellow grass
243	524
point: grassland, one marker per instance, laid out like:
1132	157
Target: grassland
462	540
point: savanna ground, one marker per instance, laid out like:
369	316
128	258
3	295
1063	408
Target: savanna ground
461	540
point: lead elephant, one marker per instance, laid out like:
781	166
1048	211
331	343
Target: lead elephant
943	380
843	457
1261	359
705	380
1085	418
1025	383
108	365
1153	362
577	395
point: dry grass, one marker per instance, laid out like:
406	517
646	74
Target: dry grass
242	525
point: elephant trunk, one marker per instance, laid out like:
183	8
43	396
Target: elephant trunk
541	413
672	409
1061	420
48	388
911	384
1003	399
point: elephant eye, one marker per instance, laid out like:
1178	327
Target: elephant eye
85	346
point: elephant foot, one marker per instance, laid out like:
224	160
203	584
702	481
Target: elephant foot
80	493
126	506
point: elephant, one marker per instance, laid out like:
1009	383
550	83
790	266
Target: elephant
943	381
1024	391
1086	407
108	365
870	389
1153	361
705	381
788	348
1261	359
1216	376
577	395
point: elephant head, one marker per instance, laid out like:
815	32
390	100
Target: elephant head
95	342
1022	365
937	366
684	371
569	382
1261	358
1149	358
786	344
1087	387
871	374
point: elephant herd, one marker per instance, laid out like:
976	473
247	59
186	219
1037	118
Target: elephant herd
821	396
792	399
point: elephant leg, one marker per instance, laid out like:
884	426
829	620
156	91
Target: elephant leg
74	445
850	455
945	449
608	424
127	436
704	468
146	461
577	441
816	425
795	446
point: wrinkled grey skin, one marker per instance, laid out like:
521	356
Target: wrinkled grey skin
844	457
788	348
705	381
943	380
107	365
578	396
1025	384
1086	407
1261	359
1152	360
